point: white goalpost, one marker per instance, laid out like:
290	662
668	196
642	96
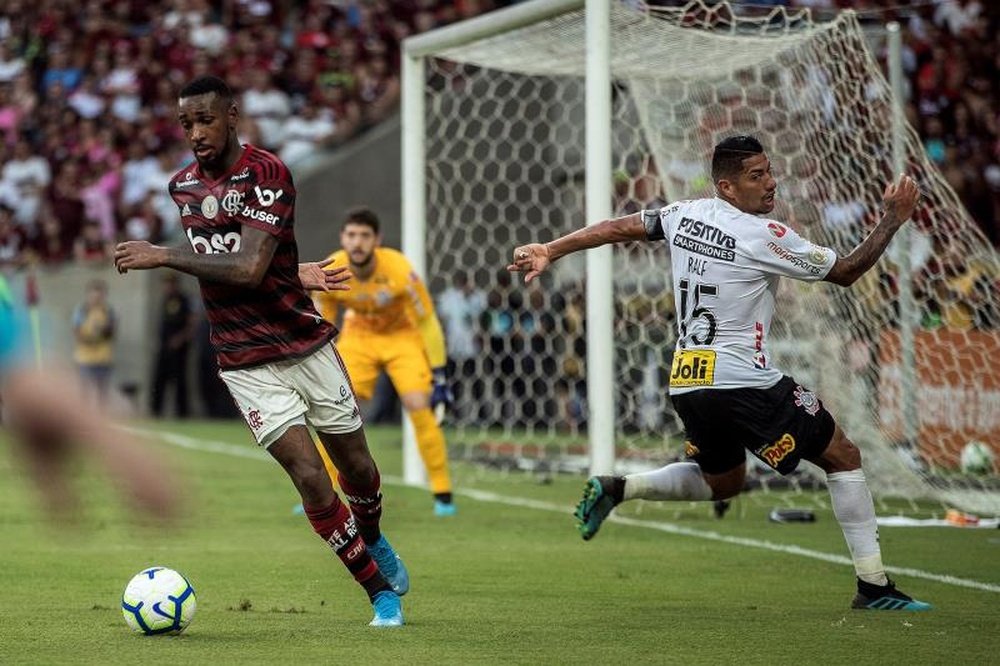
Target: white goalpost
529	122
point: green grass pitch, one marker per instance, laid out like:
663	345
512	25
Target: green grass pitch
498	583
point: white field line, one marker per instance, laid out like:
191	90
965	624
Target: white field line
249	451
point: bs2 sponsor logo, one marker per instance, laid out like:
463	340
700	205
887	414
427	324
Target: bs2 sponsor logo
773	454
216	243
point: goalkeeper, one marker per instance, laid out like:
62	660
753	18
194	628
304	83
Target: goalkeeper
390	323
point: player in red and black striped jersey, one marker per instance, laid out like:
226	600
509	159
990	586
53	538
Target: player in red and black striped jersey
276	356
274	319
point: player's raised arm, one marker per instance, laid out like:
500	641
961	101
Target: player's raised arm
900	201
534	259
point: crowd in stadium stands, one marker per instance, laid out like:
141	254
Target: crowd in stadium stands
88	134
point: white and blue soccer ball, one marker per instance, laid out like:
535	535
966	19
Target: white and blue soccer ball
977	458
158	600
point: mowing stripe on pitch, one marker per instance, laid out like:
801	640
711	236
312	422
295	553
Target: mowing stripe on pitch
244	451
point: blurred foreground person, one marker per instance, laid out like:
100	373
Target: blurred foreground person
47	428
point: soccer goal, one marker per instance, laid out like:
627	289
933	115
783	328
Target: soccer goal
532	121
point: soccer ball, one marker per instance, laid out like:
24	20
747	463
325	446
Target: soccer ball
158	601
977	458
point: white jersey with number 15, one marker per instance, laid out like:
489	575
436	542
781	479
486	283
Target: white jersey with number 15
726	265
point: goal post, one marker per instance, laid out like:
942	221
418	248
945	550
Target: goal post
525	124
600	375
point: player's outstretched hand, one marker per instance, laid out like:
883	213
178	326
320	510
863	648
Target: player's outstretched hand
320	276
900	198
532	260
138	255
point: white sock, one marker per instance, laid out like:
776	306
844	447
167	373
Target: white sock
855	511
676	481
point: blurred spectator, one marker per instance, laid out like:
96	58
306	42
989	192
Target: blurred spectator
61	72
52	246
28	175
94	331
459	307
87	100
11	65
268	107
214	396
306	132
176	333
90	245
12	240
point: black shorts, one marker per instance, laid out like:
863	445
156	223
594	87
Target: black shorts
780	425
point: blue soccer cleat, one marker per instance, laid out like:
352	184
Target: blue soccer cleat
444	509
595	506
390	565
388	610
885	597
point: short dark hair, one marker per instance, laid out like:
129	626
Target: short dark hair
362	215
727	159
207	84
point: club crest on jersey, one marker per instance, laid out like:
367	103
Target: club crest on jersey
807	400
210	207
776	229
232	200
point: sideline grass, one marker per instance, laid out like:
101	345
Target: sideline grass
495	584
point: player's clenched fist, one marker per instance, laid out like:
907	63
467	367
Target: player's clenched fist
900	198
138	255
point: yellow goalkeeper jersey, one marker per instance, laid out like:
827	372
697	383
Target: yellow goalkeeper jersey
392	300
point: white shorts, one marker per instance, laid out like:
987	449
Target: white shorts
276	395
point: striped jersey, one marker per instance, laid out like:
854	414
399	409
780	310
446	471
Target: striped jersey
275	320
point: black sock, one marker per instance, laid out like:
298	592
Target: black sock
376	584
614	486
444	498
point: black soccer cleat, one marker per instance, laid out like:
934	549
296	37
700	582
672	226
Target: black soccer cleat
720	507
885	597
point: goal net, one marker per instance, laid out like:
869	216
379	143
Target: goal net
905	359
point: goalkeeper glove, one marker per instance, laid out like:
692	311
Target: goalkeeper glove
441	395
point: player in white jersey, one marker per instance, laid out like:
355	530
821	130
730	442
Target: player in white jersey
726	259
